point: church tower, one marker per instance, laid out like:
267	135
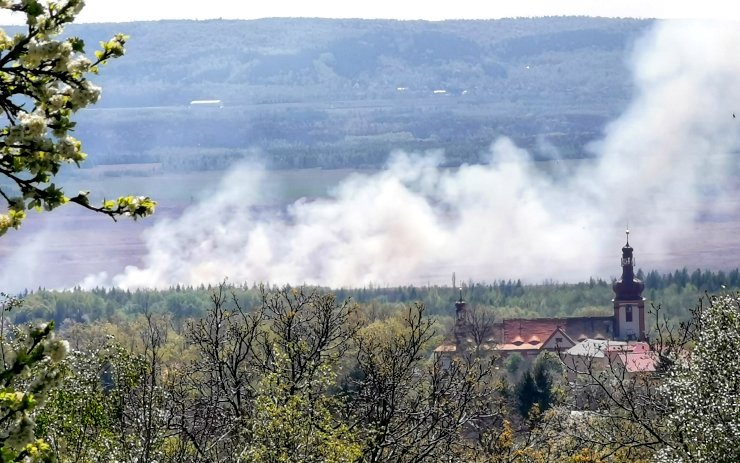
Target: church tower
461	321
629	305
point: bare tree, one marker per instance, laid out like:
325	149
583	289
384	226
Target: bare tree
410	408
236	348
213	395
310	328
480	324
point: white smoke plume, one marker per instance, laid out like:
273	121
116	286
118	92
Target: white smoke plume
659	167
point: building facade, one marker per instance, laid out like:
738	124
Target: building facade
530	336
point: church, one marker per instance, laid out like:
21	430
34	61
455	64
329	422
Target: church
531	336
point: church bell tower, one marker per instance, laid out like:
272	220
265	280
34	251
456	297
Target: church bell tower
629	305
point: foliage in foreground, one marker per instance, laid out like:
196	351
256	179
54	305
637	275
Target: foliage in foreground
30	373
704	389
44	83
303	377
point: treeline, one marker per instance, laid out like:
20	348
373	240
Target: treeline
678	293
702	280
355	134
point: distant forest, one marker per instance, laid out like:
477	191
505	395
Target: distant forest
677	292
297	93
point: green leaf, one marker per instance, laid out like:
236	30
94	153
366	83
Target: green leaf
77	43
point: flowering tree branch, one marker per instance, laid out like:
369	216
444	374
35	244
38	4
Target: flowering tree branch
43	82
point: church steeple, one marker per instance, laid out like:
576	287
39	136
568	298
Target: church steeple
628	288
628	261
629	305
460	311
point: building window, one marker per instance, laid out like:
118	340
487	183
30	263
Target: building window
628	313
558	340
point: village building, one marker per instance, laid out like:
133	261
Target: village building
531	336
633	359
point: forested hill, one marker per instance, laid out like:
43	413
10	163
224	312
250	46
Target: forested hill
343	93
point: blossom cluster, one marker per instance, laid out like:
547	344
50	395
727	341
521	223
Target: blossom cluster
31	358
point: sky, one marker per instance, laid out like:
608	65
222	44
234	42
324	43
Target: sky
138	10
107	11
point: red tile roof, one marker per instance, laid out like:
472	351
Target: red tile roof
539	329
635	357
533	330
518	347
638	361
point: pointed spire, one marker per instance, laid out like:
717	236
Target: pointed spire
460	306
628	287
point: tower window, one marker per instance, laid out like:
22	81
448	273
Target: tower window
628	313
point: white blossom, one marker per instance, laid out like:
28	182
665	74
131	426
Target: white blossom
33	124
59	350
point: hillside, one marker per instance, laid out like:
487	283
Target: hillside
343	93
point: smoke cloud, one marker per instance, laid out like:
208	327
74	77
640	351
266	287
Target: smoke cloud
662	167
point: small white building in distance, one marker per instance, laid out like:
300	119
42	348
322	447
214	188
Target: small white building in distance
207	103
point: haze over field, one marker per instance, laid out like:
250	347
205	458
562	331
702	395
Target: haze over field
413	222
665	167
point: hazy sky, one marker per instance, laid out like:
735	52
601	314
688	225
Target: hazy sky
134	10
105	10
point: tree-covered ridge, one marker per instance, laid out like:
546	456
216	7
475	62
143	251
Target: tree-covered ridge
363	59
344	93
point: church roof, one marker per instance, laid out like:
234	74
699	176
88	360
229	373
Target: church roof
534	332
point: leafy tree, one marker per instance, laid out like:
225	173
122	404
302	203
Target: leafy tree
543	380
526	393
30	371
703	390
81	419
513	362
292	425
44	82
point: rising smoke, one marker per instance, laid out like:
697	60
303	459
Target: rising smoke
414	222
